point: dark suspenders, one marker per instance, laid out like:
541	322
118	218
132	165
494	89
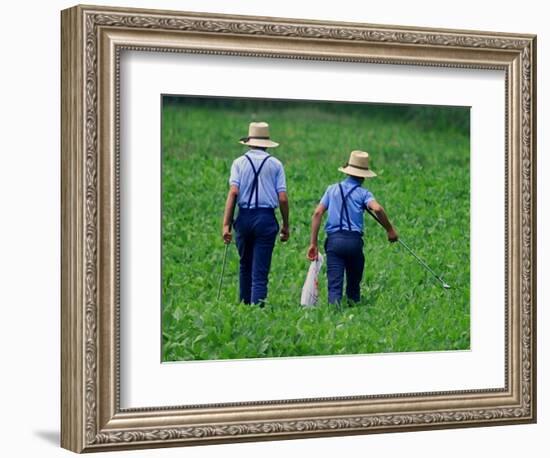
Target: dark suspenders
344	208
255	182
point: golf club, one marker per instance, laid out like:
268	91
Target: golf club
223	271
422	263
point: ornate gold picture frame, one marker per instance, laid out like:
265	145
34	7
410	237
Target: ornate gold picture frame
93	39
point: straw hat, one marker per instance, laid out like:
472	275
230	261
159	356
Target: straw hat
258	135
358	165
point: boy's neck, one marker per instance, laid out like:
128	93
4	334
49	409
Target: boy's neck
355	179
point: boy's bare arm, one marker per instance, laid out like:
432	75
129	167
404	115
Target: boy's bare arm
228	213
283	206
313	249
378	210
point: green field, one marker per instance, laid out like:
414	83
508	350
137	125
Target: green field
421	156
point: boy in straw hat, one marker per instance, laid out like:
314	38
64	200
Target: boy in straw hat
346	201
257	185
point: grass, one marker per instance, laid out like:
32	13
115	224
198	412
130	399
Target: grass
421	155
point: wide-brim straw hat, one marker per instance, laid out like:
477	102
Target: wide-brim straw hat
358	165
258	135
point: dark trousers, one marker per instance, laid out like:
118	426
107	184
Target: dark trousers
255	234
344	250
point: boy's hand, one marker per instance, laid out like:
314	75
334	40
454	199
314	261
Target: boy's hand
285	234
312	252
226	233
392	235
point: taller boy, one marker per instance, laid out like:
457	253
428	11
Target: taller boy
258	185
346	201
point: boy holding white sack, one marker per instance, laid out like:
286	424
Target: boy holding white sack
346	202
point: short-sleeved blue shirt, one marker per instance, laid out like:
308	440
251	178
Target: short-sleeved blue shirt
356	203
271	181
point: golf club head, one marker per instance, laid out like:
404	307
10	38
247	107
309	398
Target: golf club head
446	286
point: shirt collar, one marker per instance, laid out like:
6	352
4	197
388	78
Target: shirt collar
257	151
353	180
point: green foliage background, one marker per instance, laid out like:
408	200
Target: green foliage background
421	155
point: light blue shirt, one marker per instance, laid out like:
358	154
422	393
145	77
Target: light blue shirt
271	181
356	203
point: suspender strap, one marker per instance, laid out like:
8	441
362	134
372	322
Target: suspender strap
344	208
255	182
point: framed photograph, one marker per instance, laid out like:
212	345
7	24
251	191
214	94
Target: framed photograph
278	228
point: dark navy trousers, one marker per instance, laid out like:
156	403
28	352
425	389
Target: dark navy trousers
344	250
255	234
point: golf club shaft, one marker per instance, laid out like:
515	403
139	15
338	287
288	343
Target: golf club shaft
223	271
420	260
426	266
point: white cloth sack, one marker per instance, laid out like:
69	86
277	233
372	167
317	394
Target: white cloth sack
310	291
